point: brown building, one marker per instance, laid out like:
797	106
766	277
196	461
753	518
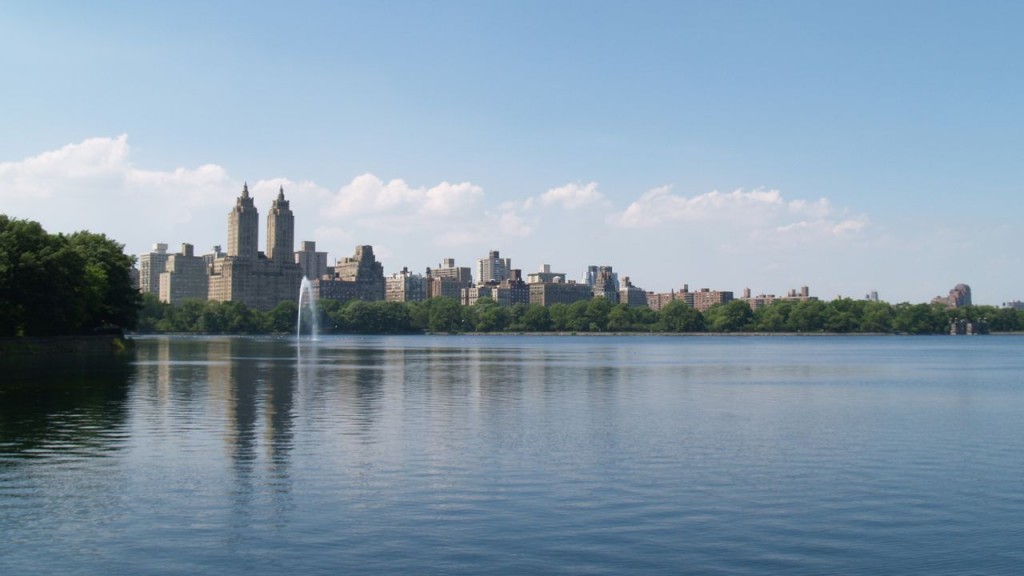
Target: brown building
762	300
185	277
405	286
548	293
506	292
360	277
700	300
631	295
248	276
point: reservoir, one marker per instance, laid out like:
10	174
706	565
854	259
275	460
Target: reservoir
517	455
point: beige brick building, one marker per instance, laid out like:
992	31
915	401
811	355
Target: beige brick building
248	276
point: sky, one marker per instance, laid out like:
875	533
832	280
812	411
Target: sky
846	146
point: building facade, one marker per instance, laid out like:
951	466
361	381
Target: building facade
360	277
762	300
313	263
604	282
248	276
494	268
548	293
185	277
631	295
405	286
545	276
151	265
447	269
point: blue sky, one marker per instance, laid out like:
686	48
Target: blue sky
845	146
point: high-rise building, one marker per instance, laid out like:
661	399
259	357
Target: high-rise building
313	263
243	228
631	295
762	300
706	298
548	293
494	268
360	277
280	229
244	274
185	277
508	292
604	282
405	286
151	265
545	276
448	269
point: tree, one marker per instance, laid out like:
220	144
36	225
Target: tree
282	318
678	316
643	318
110	297
807	316
843	315
919	319
620	319
733	316
490	316
774	317
56	284
536	319
445	315
595	316
876	317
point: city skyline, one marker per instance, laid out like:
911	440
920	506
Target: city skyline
729	147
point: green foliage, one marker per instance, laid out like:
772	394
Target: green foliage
734	316
445	315
920	319
677	316
53	284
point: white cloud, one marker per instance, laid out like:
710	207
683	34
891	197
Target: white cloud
817	209
96	161
659	205
824	227
511	223
93	185
573	195
368	194
447	198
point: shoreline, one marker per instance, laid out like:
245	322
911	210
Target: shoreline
59	345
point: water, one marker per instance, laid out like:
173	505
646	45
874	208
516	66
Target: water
308	310
512	455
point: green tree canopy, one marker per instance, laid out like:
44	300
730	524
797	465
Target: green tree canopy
55	284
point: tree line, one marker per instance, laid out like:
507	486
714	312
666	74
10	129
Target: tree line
445	315
56	284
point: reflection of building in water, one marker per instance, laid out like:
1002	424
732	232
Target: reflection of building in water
278	411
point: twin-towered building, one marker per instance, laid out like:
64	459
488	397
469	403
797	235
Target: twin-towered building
243	274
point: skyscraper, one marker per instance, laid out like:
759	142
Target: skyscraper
243	228
493	268
244	275
280	229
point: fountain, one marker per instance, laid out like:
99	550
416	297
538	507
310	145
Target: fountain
307	308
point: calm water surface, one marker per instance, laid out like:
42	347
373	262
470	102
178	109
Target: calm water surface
518	455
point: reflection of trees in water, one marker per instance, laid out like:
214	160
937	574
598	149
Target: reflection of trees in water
63	405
